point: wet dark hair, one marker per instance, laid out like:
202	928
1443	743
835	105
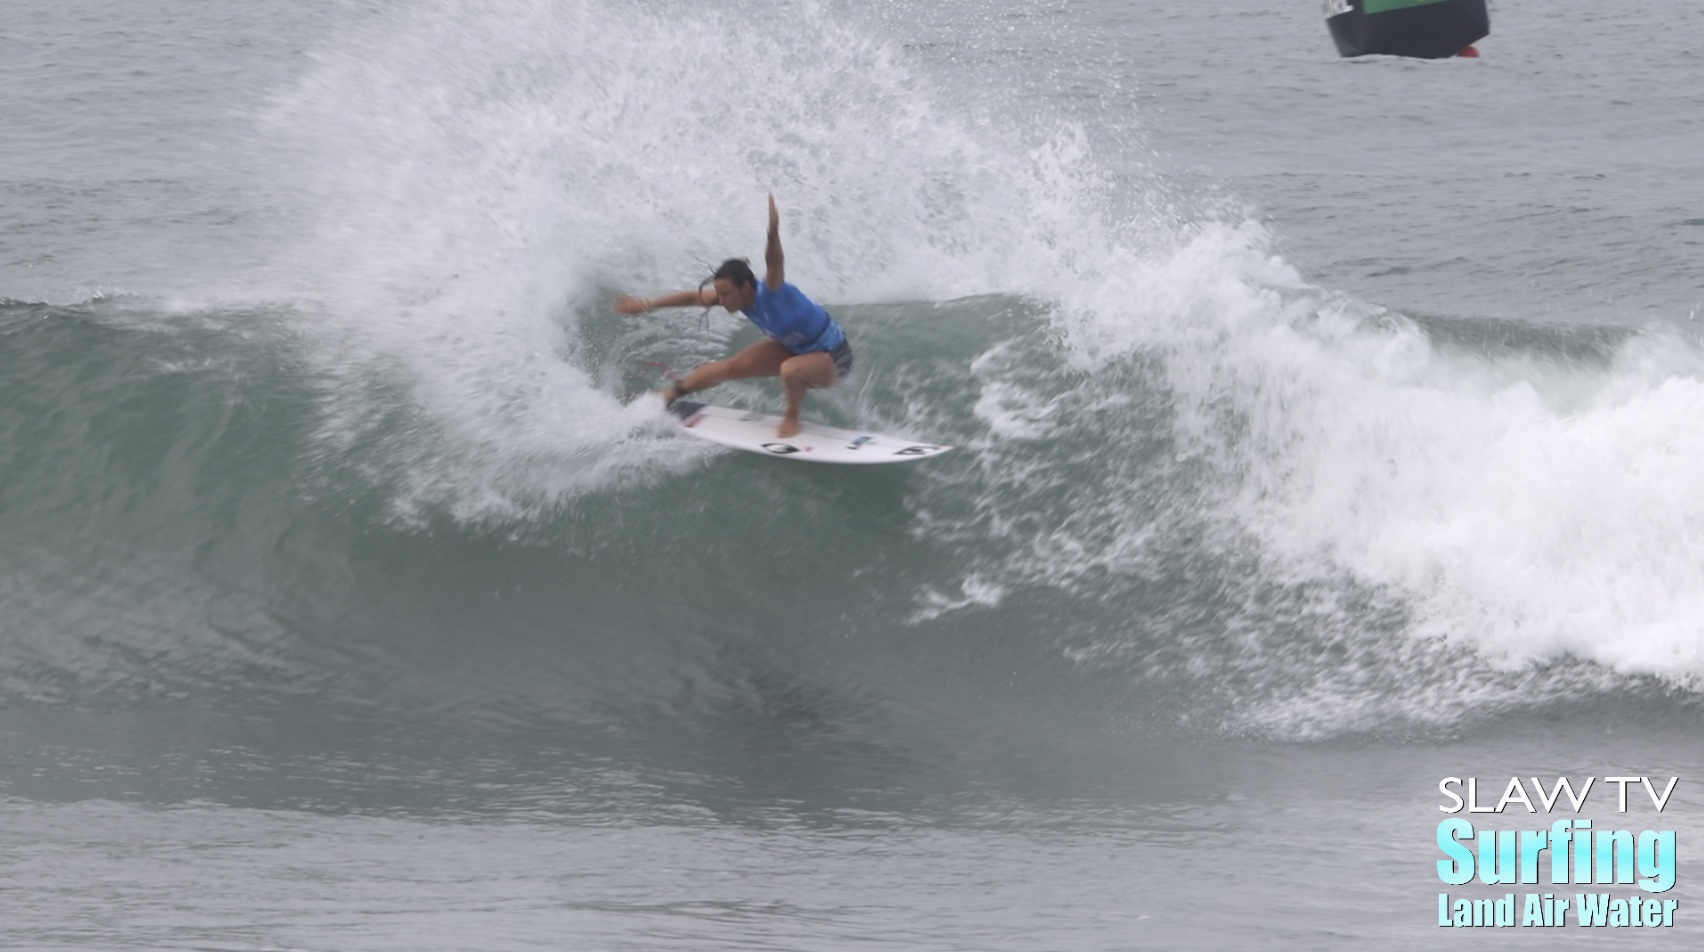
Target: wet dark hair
737	270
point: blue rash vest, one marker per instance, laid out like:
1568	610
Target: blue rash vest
800	324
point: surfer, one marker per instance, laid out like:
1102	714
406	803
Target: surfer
802	344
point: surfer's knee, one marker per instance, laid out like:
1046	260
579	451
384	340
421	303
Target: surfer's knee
808	370
792	378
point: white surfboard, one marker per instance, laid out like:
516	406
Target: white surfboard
815	443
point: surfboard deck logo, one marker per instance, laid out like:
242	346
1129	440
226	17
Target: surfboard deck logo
755	433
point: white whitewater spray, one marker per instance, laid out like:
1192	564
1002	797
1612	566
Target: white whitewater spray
480	179
1533	502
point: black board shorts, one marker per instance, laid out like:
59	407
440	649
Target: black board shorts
842	357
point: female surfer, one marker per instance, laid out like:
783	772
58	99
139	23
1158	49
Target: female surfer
802	344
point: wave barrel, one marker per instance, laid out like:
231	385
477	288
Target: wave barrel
1429	29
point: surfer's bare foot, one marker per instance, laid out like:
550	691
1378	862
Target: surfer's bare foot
789	427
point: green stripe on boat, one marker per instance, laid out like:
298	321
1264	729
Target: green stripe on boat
1382	6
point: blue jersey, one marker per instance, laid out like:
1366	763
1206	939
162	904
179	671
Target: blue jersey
800	324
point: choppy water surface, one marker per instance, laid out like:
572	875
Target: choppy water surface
1326	428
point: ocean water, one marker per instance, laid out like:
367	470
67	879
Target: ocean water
1326	429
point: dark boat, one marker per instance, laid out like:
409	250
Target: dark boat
1430	29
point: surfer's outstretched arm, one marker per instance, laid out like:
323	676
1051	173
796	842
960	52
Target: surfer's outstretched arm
774	273
630	305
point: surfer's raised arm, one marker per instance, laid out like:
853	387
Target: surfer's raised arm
629	305
774	273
